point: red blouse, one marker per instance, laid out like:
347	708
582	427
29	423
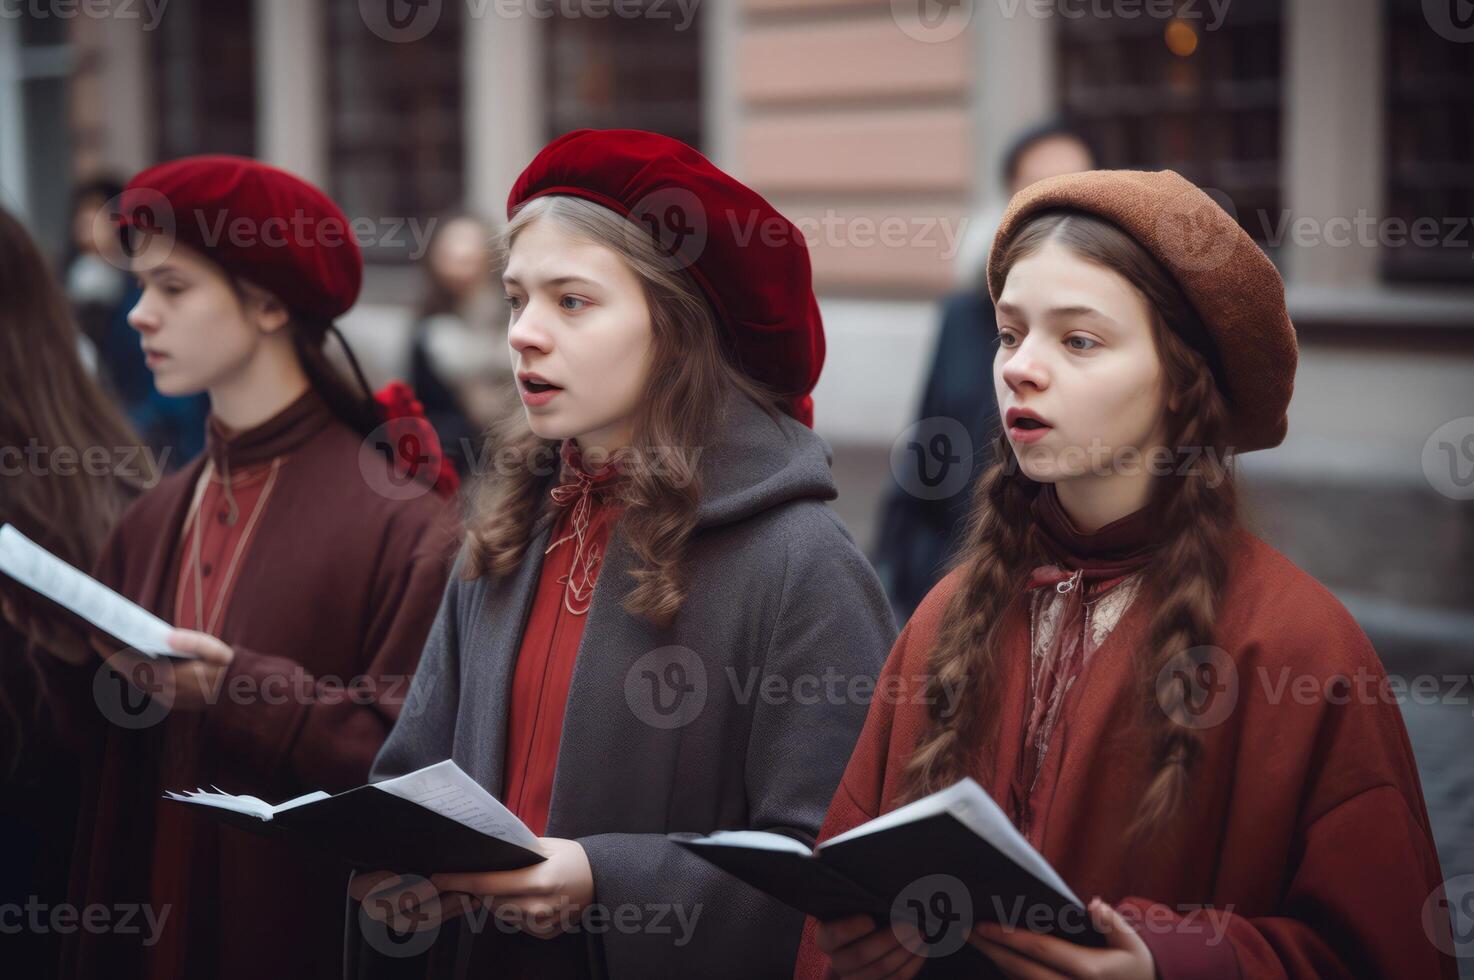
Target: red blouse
588	508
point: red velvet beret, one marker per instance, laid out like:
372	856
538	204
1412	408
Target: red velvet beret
1235	289
751	263
259	223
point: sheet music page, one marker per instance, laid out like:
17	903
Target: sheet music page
241	803
445	789
977	811
981	814
223	801
36	568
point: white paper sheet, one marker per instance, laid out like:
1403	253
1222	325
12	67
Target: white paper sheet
252	805
35	567
971	804
445	789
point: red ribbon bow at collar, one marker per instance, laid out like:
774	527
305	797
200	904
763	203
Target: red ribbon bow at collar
578	490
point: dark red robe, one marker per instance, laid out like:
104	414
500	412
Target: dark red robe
1305	832
327	613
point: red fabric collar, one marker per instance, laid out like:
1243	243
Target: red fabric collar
283	432
1101	558
575	476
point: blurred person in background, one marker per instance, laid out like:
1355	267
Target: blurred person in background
917	537
460	365
101	291
53	406
94	265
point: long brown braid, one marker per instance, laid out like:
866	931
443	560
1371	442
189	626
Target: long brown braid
1198	512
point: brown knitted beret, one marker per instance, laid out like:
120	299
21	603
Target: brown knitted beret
1235	289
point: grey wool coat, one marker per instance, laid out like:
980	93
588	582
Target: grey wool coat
740	715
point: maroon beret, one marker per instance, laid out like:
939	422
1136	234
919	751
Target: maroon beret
259	223
1235	289
749	261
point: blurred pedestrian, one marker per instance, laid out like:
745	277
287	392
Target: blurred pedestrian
918	537
101	288
460	365
94	268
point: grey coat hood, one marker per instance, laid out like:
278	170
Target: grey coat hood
757	461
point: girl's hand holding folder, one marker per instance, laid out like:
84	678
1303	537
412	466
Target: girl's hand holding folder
197	682
406	903
858	949
184	685
1027	955
543	898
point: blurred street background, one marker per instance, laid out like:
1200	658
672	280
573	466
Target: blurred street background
1340	132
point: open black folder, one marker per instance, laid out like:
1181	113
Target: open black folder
436	819
883	868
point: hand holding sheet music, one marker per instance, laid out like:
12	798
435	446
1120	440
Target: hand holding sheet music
36	568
